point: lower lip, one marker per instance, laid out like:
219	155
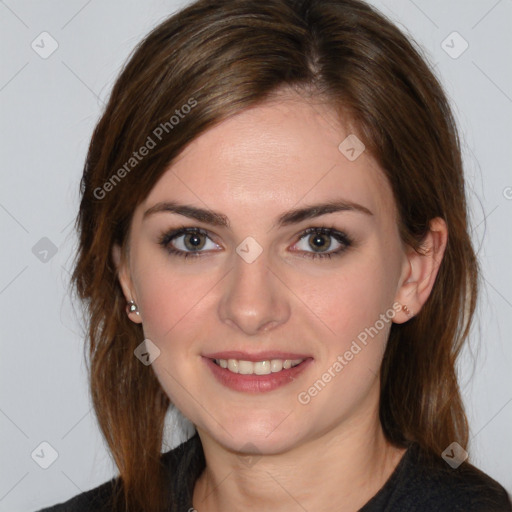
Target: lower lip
256	383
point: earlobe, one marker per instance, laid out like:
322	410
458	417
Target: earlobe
123	275
423	268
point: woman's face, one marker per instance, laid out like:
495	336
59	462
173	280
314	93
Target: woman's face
255	287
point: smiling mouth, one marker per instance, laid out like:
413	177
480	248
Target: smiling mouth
265	367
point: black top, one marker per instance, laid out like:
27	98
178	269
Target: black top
414	486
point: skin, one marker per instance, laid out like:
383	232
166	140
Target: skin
253	167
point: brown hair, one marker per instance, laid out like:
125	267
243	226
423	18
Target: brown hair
220	57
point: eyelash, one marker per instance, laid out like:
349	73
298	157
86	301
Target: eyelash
167	237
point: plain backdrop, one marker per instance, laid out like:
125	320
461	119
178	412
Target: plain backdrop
51	96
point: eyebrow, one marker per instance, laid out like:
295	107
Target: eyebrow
291	217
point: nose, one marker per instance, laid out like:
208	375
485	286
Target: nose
254	300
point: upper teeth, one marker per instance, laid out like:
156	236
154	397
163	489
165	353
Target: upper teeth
258	367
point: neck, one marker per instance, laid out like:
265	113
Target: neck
337	471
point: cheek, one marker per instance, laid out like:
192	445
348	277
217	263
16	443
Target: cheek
352	298
171	306
355	304
168	297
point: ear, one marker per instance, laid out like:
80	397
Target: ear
420	271
124	277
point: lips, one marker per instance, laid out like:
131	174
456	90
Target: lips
256	372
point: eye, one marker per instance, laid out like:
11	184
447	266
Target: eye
187	242
314	242
320	242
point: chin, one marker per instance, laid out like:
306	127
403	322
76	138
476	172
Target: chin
256	435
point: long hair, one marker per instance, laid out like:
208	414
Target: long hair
212	60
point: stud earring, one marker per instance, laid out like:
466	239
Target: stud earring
131	307
406	310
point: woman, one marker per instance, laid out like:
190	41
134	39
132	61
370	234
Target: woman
274	240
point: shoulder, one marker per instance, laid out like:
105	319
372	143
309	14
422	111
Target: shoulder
187	455
422	483
97	499
464	489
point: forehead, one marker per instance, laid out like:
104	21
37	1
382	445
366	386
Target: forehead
272	157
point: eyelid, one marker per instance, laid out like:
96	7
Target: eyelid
342	238
167	237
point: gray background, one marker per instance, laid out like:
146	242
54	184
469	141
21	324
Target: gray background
49	107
